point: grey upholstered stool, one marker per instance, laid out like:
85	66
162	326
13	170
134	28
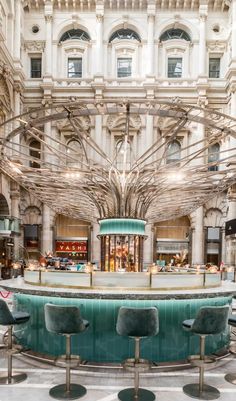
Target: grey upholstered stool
231	377
137	323
65	320
10	319
209	320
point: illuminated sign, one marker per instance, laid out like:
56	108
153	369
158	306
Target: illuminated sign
72	246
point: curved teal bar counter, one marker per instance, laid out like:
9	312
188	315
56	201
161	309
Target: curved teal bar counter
100	342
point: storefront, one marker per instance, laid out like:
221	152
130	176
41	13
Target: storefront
172	241
72	239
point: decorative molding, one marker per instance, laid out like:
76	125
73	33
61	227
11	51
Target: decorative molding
117	122
217	46
5	99
34	45
48	18
202	101
83	123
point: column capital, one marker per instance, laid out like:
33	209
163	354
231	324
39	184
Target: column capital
202	101
151	17
48	17
99	18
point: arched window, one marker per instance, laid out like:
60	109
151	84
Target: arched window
123	33
213	156
121	147
75	34
173	153
175	33
75	153
35	153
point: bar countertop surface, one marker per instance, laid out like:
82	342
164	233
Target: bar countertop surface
18	285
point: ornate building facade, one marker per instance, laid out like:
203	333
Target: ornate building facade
63	50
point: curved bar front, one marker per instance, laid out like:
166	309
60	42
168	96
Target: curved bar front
101	343
137	280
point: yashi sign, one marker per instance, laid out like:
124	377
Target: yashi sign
72	246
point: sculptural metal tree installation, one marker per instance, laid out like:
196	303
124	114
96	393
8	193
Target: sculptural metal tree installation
94	186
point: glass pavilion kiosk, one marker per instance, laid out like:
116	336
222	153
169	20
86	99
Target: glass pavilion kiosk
122	244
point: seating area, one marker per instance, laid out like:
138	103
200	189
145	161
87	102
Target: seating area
115	382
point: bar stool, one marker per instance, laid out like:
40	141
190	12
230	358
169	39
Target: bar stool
8	318
231	377
66	321
137	323
209	320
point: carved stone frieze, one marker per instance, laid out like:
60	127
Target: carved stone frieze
217	46
34	45
83	123
115	122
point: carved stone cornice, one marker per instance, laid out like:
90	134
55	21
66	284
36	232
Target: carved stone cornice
34	45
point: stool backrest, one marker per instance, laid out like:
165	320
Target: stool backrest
211	320
6	318
137	322
63	319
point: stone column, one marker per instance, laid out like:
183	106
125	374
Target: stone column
98	136
223	246
148	246
233	30
15	212
198	238
233	114
149	134
47	244
17	29
99	44
95	244
230	244
202	39
150	42
17	110
48	43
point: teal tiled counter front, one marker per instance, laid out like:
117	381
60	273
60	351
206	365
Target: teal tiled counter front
101	343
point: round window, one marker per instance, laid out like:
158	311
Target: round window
216	28
35	28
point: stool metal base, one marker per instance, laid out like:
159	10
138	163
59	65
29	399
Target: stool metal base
59	392
231	378
16	377
129	395
208	393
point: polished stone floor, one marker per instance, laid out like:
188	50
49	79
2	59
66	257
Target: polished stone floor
103	383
